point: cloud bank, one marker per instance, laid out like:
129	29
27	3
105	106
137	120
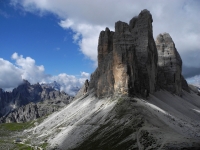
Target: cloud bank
189	72
12	75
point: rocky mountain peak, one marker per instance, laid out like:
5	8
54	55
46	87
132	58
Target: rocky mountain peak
127	59
130	62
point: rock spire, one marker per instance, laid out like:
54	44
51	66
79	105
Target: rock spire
127	59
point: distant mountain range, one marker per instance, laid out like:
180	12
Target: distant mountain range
55	85
28	102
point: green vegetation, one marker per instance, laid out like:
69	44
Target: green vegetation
23	147
44	145
16	126
11	131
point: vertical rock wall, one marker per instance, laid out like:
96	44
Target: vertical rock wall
124	64
127	59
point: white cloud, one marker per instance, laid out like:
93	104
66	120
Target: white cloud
69	83
85	75
89	35
11	75
86	18
30	71
194	80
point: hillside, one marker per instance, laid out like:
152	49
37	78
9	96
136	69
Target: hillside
163	121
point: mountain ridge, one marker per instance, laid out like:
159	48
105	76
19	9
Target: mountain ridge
28	102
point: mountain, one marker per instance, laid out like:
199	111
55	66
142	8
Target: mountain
55	85
137	98
130	61
28	102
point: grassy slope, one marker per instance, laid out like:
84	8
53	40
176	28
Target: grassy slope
12	131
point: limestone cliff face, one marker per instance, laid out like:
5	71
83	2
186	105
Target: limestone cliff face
169	64
127	59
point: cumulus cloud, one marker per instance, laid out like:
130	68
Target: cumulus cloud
30	71
11	75
85	75
194	80
69	83
85	35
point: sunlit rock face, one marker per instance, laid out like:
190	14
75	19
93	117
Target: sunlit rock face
124	62
127	59
169	64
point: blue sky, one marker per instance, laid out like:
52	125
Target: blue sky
56	40
41	38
